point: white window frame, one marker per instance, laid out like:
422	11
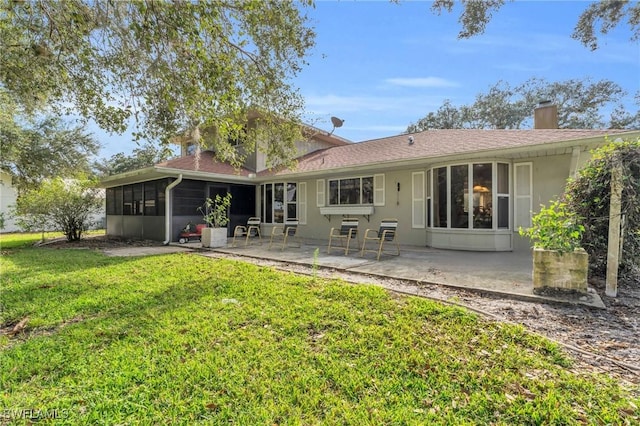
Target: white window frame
494	176
360	203
285	203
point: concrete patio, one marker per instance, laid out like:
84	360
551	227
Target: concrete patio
508	274
504	273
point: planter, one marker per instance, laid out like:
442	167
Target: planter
214	237
553	270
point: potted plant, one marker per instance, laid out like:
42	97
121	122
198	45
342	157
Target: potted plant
558	260
214	214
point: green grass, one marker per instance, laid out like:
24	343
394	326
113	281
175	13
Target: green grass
183	339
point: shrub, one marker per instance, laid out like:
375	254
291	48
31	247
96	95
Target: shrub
588	195
214	212
59	205
555	228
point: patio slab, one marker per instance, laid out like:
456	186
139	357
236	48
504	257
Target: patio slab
505	273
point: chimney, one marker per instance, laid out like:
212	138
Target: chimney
545	116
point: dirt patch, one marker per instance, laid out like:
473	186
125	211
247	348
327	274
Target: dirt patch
601	340
98	242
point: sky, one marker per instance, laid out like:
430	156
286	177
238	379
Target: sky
381	66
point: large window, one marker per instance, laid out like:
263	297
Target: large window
279	202
463	196
351	191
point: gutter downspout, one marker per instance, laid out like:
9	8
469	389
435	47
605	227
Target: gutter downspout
168	214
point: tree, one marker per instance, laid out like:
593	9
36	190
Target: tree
588	195
580	106
169	66
446	117
33	150
59	205
603	15
145	156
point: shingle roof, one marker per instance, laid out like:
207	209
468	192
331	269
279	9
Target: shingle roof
435	143
207	163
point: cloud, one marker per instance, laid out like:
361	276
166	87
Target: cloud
422	82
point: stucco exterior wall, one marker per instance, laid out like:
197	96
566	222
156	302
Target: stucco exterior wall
549	174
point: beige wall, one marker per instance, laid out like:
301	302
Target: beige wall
549	177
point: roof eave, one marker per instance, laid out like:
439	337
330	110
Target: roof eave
584	143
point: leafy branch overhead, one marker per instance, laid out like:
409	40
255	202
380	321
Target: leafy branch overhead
167	66
598	17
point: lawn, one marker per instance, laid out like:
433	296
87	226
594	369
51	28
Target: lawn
184	339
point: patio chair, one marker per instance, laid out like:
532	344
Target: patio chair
288	233
385	234
250	230
348	230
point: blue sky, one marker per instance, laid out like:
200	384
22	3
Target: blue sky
381	66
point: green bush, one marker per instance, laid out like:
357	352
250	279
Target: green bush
588	195
555	228
59	205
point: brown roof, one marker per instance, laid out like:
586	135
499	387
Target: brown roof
207	163
435	143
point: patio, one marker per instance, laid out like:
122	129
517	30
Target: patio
502	273
507	274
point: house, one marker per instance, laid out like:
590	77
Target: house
453	189
8	198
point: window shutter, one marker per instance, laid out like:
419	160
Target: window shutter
523	184
302	203
417	200
320	198
378	190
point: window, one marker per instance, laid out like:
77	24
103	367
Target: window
482	196
292	206
428	187
503	196
279	201
440	198
464	196
351	191
459	196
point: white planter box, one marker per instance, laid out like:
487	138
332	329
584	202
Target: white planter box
555	270
214	237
